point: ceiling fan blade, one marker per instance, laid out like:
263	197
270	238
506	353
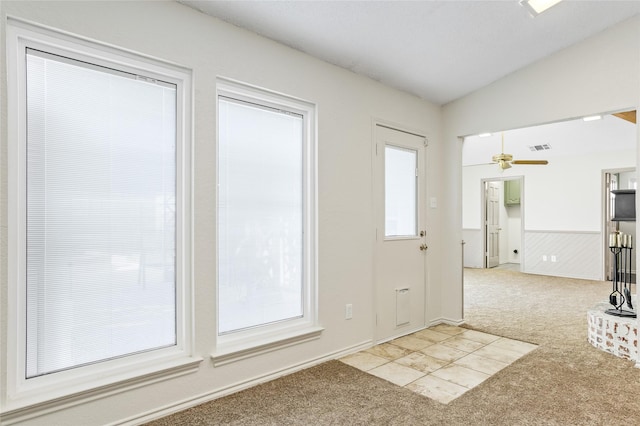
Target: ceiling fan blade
532	162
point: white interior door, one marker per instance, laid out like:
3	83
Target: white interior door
493	224
400	233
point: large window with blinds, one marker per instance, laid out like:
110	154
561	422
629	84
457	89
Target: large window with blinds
99	220
101	204
266	193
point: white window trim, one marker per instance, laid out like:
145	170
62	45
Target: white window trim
259	340
24	398
404	237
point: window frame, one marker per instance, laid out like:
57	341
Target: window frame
73	386
414	236
235	345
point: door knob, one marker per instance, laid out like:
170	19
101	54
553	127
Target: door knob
423	247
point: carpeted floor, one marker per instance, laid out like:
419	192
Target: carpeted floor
565	381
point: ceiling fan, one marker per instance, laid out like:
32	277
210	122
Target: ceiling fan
506	160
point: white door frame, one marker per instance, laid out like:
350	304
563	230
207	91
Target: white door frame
483	215
606	259
493	220
400	128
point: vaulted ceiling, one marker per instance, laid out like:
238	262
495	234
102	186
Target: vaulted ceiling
439	50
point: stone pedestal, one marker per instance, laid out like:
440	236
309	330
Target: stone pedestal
616	335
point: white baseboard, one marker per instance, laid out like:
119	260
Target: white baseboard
401	334
246	384
443	320
237	387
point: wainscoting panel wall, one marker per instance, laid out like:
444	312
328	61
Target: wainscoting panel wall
564	254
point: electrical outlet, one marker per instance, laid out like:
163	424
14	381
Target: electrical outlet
553	259
544	257
348	311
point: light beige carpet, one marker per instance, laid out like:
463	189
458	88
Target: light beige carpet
565	381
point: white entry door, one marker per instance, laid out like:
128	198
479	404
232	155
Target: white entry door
401	250
493	224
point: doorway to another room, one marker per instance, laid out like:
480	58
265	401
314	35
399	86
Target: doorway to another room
614	180
564	228
502	208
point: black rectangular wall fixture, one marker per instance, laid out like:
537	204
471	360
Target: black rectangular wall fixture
624	205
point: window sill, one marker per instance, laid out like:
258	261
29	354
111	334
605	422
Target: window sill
402	238
226	354
24	407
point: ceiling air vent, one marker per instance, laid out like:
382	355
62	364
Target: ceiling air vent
542	147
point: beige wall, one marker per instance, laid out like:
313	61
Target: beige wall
346	104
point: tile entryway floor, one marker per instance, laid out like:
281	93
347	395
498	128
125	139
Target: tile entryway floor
441	362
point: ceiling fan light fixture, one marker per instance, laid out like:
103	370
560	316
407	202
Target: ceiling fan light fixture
502	157
536	7
504	161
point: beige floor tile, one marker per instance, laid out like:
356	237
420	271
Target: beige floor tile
478	336
433	387
514	345
431	335
498	353
421	362
478	363
412	343
443	352
447	329
364	361
460	375
388	351
437	362
459	343
396	373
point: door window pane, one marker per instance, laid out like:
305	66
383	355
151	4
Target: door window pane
400	191
100	225
260	215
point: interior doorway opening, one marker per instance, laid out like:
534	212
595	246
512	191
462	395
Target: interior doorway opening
617	179
502	202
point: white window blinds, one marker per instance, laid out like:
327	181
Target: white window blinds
100	225
260	208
